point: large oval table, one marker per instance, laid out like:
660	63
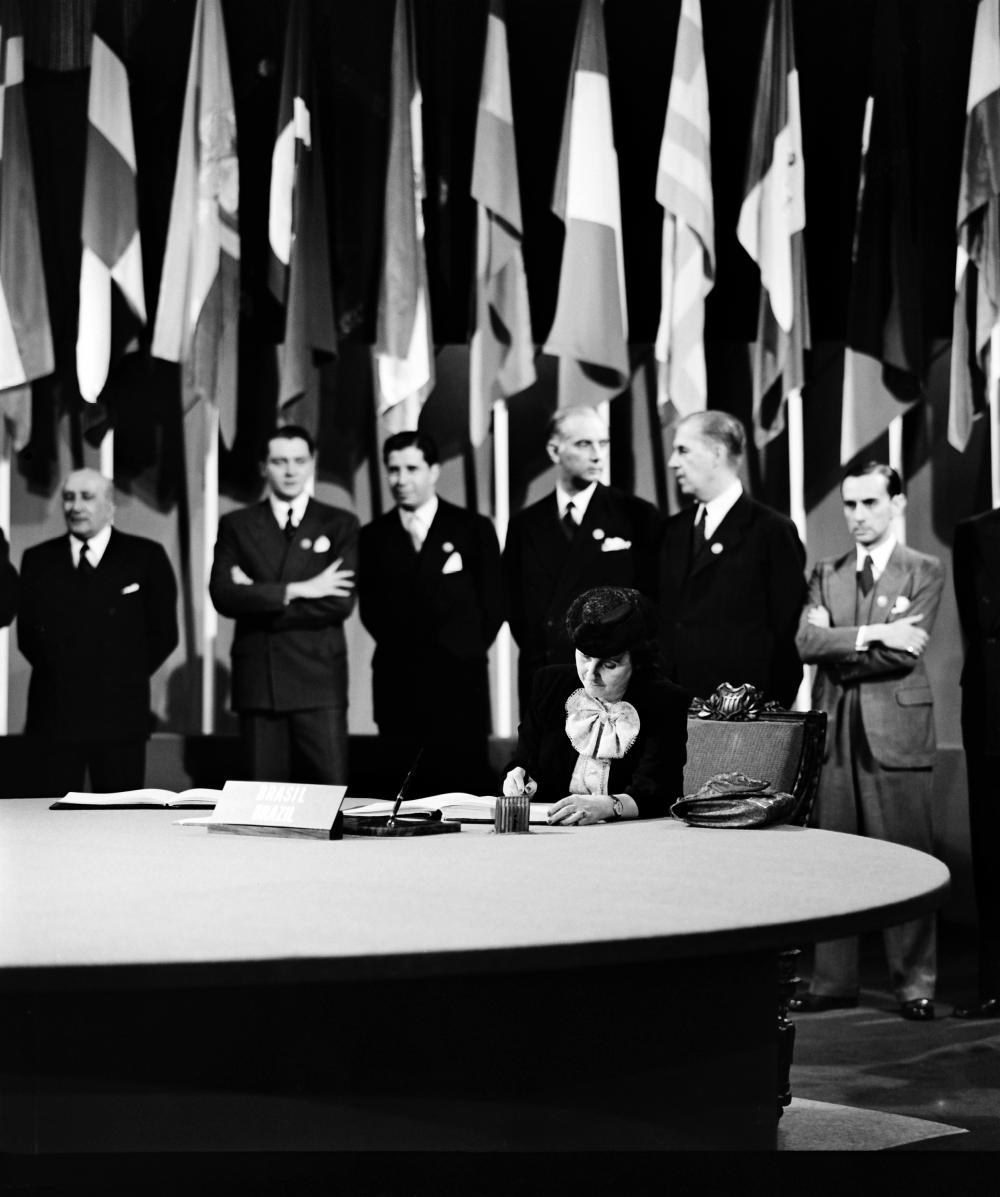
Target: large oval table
609	987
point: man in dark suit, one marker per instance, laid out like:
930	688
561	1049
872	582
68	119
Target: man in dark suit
976	564
284	570
584	534
97	617
430	596
865	625
732	578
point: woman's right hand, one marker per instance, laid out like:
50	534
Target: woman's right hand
518	782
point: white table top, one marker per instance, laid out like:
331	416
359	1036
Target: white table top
93	897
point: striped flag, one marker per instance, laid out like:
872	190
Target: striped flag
771	225
501	353
404	348
112	254
197	315
884	354
25	335
977	269
590	330
684	188
299	259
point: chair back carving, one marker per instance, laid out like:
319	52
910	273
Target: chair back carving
736	730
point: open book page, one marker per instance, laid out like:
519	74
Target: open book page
466	808
197	796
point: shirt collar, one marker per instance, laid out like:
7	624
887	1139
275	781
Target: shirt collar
880	555
96	546
281	507
423	515
581	500
718	508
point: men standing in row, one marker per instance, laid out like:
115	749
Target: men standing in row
976	565
284	570
430	596
866	624
97	617
732	579
584	534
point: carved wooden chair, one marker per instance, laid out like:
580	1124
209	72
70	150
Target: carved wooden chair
735	730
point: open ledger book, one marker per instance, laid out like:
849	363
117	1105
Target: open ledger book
465	808
198	797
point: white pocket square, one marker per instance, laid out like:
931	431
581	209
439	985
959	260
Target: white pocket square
614	544
131	588
453	565
322	544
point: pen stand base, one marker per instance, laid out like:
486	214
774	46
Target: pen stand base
378	825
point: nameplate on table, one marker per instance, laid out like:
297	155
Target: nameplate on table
276	808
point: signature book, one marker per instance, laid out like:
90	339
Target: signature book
197	798
462	808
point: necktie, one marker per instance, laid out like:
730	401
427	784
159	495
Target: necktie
866	579
289	528
700	520
568	522
85	566
412	525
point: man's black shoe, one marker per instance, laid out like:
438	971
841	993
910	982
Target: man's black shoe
987	1008
815	1003
918	1010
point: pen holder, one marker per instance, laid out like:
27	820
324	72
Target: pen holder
511	815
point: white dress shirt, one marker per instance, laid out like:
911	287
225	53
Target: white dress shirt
580	500
95	547
296	506
715	510
418	521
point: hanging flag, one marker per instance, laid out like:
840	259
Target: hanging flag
25	336
404	348
501	352
590	331
884	355
977	268
197	315
112	255
771	225
299	259
684	188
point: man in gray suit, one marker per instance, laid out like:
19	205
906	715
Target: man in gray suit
866	624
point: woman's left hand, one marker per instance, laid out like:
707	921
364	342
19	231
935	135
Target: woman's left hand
579	810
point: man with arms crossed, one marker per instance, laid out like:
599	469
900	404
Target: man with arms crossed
284	570
97	617
584	534
866	624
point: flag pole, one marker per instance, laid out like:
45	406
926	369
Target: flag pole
210	619
604	411
501	509
797	506
895	432
796	460
5	448
107	464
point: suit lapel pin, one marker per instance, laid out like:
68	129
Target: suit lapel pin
447	547
715	547
881	601
305	542
598	534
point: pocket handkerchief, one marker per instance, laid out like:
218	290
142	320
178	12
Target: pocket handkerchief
131	588
614	544
453	565
321	544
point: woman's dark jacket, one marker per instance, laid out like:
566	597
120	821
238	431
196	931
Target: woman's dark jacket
652	770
